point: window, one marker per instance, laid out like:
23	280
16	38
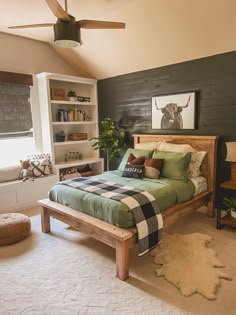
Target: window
15	113
16	128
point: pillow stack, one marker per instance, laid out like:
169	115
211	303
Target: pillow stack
197	157
138	165
155	159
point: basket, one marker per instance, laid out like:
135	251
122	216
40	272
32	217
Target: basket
77	136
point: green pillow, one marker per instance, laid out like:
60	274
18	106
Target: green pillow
175	163
137	153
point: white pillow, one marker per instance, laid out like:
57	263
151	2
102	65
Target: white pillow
196	158
195	163
173	147
148	145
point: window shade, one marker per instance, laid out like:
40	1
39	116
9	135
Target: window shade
15	111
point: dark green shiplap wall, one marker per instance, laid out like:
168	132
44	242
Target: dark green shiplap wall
214	79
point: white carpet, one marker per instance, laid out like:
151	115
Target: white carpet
67	273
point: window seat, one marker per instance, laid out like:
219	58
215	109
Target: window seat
16	195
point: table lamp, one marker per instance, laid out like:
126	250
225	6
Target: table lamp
231	157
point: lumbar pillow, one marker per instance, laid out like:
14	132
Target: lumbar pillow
133	171
153	167
137	153
175	163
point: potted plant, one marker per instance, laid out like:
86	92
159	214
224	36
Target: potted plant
72	95
60	136
230	203
110	140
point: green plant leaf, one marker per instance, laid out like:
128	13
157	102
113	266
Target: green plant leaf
110	140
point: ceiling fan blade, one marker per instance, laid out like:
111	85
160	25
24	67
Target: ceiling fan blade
93	24
57	10
31	26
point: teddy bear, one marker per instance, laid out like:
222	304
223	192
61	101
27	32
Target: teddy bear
25	172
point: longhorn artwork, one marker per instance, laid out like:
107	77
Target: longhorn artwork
174	111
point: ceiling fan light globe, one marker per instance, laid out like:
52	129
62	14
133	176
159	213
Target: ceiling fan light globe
66	43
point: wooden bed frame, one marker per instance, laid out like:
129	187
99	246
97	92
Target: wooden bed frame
123	239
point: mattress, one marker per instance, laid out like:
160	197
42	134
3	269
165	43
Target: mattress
167	192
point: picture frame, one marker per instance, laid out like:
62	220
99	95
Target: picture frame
174	111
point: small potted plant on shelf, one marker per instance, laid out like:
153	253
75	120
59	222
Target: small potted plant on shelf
60	136
72	95
230	203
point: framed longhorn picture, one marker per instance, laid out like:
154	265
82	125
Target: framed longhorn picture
174	111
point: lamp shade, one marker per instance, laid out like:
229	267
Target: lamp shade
67	34
231	151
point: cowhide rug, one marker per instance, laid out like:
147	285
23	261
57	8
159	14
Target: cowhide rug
187	262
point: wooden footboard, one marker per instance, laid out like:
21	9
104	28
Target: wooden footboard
120	239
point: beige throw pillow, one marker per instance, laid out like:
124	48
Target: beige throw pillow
153	167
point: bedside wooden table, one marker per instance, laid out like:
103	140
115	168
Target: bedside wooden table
227	219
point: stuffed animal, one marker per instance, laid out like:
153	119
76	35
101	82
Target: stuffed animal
25	172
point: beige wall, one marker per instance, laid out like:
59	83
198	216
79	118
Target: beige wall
22	55
19	54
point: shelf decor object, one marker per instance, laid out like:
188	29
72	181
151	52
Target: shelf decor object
60	136
77	136
58	94
72	96
231	157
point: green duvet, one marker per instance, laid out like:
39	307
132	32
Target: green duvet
168	192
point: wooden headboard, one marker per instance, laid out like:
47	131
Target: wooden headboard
200	143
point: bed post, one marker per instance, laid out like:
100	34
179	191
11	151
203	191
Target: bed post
45	220
122	260
212	160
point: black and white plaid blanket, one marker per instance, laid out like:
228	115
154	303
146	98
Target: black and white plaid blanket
142	204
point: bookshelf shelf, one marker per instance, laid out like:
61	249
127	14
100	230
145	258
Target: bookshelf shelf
70	142
71	103
64	123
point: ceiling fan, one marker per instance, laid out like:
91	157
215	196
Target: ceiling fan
67	29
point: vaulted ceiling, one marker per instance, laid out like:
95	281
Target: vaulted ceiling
157	33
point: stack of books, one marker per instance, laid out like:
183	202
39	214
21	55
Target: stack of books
71	115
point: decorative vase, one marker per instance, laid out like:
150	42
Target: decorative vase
60	137
72	99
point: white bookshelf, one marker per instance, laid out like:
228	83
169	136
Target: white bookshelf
50	125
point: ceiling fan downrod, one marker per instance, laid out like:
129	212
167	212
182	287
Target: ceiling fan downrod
66	8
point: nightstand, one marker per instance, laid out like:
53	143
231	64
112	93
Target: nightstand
227	219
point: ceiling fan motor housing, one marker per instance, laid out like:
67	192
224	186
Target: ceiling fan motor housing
67	33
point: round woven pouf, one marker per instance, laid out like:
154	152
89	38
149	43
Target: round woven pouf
13	227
